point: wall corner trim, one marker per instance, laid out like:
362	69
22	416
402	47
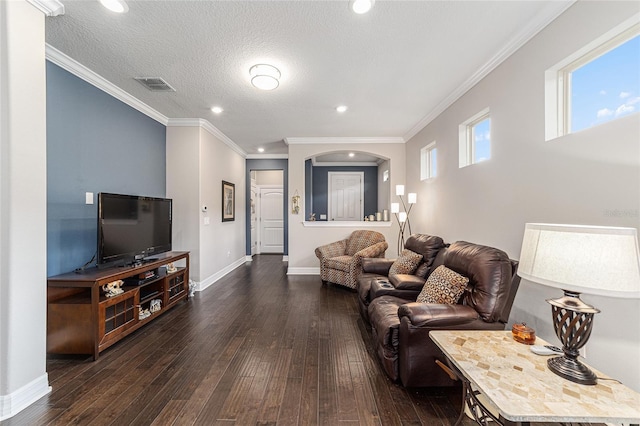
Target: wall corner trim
55	56
48	7
535	25
200	122
303	271
12	404
200	286
339	140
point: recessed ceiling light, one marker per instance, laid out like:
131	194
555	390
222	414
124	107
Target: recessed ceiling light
216	110
118	6
351	154
341	108
361	6
260	149
265	76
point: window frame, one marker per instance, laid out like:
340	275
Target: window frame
558	77
428	155
466	144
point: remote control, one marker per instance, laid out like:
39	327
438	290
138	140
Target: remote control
545	350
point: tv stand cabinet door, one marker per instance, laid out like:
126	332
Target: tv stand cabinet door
116	315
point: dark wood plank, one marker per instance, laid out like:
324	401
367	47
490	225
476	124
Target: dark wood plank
257	347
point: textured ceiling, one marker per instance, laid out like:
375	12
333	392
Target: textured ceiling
393	67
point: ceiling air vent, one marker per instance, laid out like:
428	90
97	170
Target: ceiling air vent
155	84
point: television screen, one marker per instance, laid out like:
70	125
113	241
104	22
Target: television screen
132	227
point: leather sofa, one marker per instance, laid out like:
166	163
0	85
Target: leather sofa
400	325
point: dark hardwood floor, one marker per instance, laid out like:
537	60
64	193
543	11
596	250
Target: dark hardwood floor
257	347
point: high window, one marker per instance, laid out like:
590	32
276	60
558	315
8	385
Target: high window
428	161
597	84
475	139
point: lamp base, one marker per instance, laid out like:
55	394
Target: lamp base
572	369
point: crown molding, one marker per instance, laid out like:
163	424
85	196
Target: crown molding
343	163
535	25
201	122
74	67
342	141
267	156
48	7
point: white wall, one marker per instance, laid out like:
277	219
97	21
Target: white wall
269	177
222	244
578	178
183	186
303	240
23	206
197	163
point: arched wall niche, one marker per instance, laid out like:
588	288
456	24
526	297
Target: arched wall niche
323	170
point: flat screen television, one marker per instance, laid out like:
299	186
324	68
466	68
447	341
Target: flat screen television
132	227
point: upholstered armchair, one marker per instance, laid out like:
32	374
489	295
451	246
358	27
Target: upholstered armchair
341	261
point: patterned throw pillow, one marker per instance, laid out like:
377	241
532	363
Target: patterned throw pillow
406	263
443	286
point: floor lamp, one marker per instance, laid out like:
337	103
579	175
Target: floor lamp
597	260
403	216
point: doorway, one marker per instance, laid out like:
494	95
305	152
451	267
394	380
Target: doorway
270	219
267	233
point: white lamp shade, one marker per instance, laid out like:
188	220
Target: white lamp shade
395	207
412	198
402	217
399	189
598	260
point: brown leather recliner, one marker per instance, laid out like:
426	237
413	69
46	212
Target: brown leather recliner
401	327
375	280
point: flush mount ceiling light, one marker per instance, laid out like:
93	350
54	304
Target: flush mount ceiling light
216	109
260	149
361	6
118	6
264	76
341	108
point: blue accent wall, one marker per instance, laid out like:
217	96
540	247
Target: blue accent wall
95	143
267	164
320	185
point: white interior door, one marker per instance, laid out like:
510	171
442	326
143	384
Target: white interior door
346	196
254	219
271	219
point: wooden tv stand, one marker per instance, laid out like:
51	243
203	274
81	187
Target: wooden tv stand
82	320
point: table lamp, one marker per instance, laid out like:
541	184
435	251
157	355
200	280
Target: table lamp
597	260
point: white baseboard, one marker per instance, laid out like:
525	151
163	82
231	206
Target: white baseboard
12	404
248	258
285	258
303	271
215	277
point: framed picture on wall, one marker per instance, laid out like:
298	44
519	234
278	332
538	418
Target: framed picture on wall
228	201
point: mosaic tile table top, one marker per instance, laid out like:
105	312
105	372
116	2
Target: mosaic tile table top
523	389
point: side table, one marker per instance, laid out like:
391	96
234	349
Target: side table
520	387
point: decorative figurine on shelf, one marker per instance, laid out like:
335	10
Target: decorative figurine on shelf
113	288
155	305
171	268
312	218
143	313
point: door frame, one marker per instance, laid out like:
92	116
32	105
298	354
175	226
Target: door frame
329	191
259	215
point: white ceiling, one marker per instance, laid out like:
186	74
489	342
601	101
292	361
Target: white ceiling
395	67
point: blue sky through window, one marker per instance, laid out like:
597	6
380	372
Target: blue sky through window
607	87
482	140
